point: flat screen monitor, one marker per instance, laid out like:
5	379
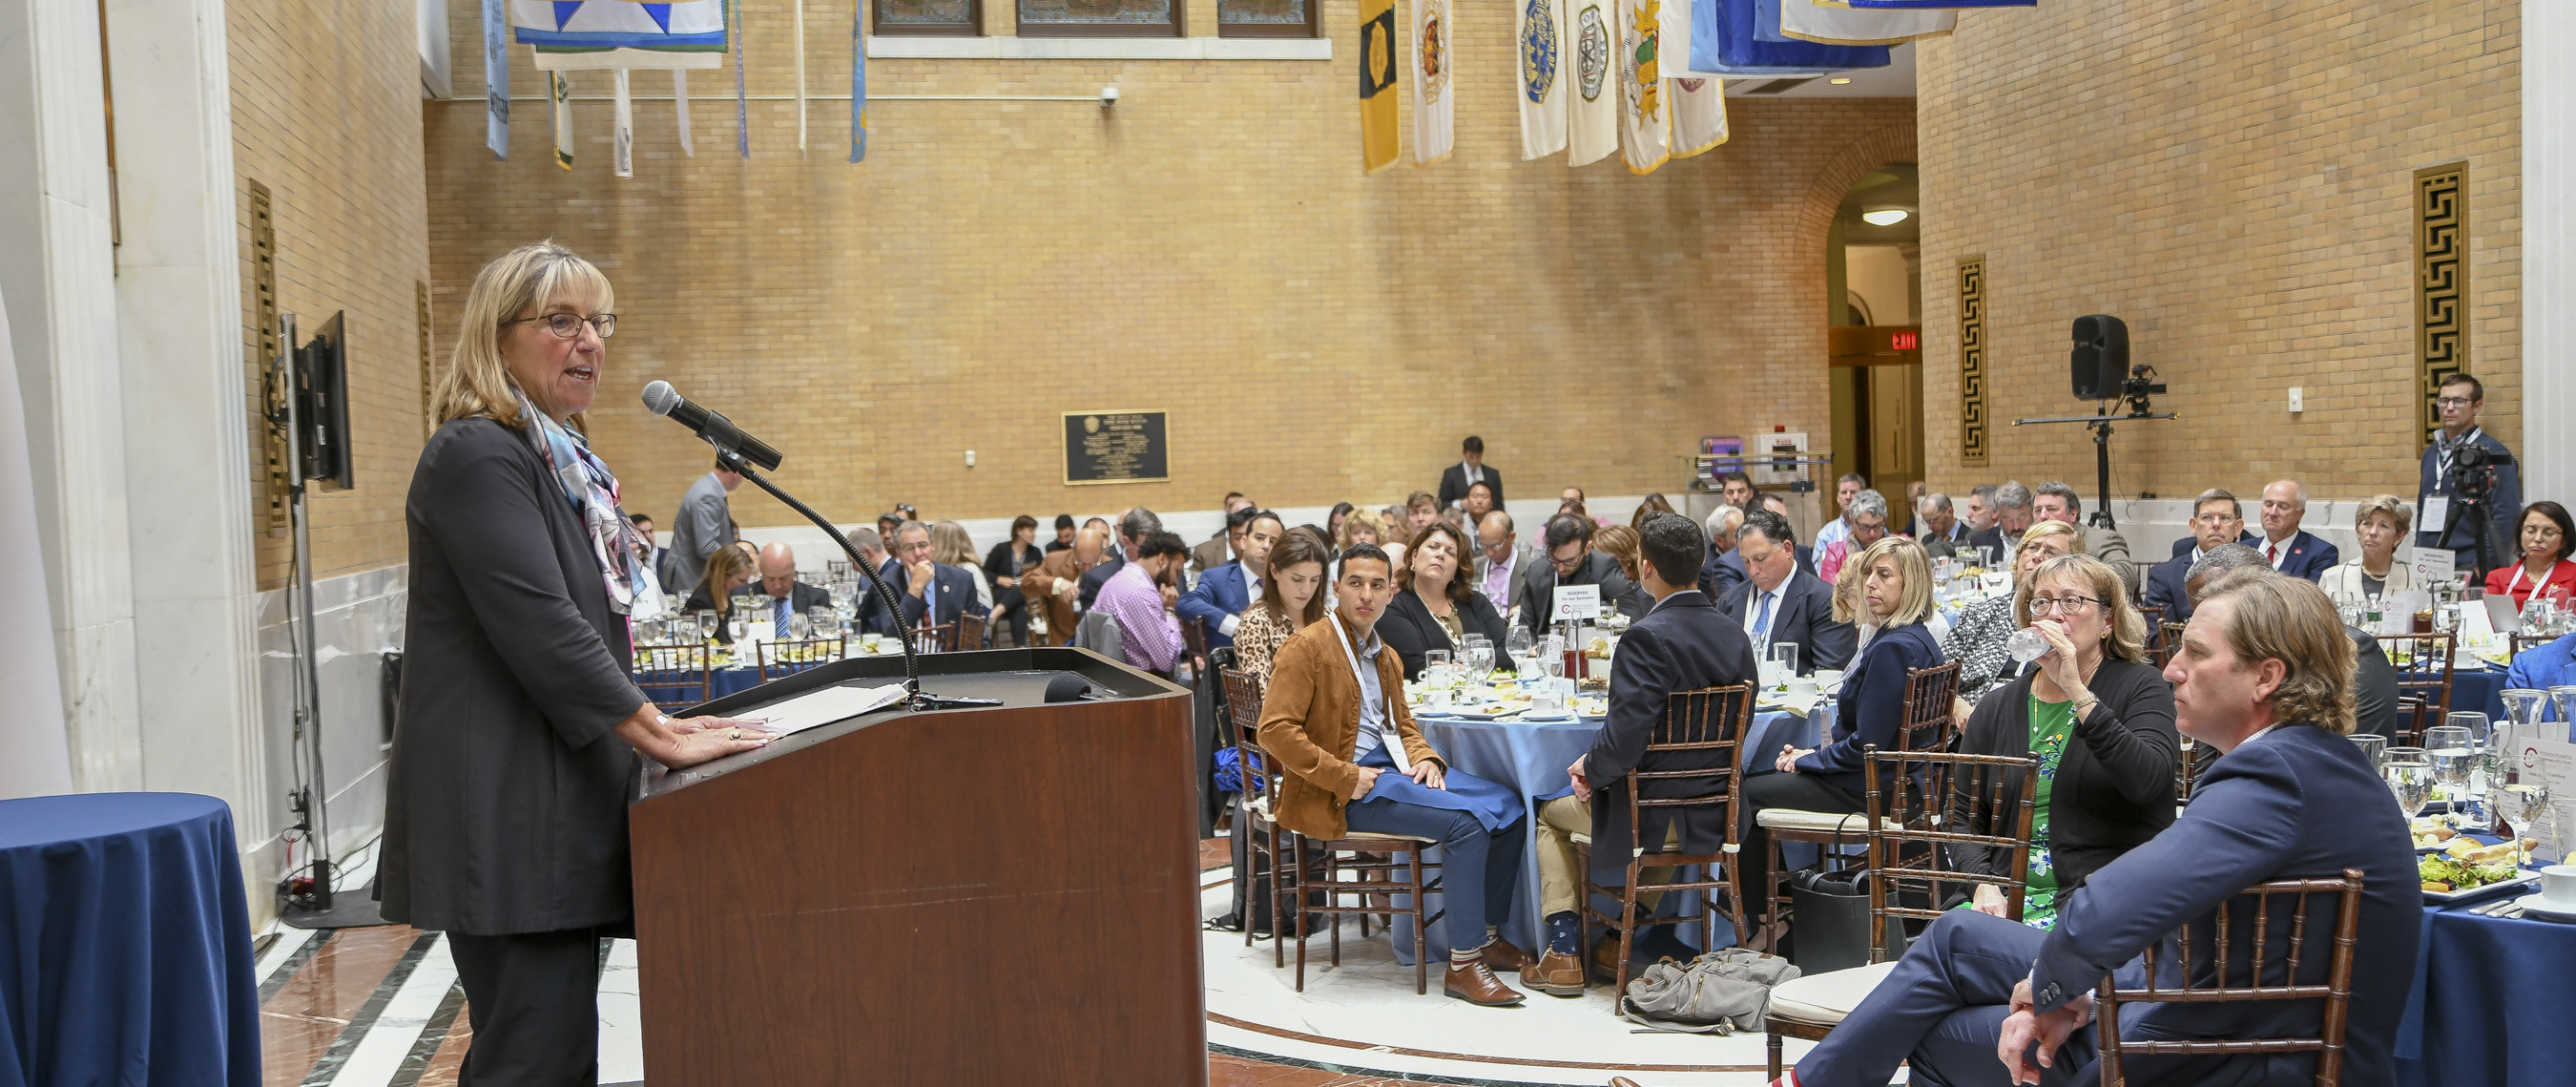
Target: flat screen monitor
322	405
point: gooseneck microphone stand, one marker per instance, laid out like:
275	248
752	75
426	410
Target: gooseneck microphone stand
913	696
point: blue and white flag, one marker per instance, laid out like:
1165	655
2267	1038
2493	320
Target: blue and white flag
1824	24
1724	42
574	34
496	80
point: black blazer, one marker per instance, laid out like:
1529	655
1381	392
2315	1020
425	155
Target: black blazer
1720	574
505	802
1453	484
1411	630
802	597
2374	686
700	601
1001	562
2114	787
1537	590
2163	589
1805	616
1681	645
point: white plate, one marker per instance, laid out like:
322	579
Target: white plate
2489	890
2531	907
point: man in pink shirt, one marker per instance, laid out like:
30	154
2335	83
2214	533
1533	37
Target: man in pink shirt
1135	599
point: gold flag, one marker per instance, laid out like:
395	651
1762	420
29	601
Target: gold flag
1378	66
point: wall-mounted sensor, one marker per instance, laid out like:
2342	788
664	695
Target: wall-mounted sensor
970	458
1108	97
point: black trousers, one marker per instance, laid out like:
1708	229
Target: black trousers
1797	792
533	1000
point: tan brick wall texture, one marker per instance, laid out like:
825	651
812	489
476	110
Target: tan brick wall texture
2236	182
1209	248
326	107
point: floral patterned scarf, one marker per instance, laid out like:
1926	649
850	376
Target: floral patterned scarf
592	489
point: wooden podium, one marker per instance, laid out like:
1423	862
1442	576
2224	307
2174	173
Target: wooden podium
997	895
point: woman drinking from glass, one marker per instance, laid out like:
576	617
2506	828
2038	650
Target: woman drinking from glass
2359	583
2101	720
2546	535
1977	638
1434	608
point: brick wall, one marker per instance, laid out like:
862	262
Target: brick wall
1209	248
2236	183
326	107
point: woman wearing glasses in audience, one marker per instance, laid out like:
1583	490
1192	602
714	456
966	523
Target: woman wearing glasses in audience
1003	565
2362	580
1977	639
1435	608
2099	717
727	570
1291	597
2546	536
1896	591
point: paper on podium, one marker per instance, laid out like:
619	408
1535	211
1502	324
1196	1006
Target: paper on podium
826	706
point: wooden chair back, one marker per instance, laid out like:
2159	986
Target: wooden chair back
1929	697
1194	635
2410	722
779	659
970	630
2423	666
1996	792
2269	970
934	639
2155	617
684	669
2517	642
1242	700
2168	643
1712	721
2187	763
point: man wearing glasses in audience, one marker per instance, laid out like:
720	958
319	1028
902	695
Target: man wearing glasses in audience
1572	561
2459	398
1866	514
1499	559
2217	519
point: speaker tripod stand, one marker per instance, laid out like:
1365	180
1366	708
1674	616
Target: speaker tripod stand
2100	425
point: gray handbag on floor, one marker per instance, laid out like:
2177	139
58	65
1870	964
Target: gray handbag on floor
1718	993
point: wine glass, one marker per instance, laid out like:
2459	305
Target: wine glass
2450	750
2411	782
2519	804
799	626
2481	737
706	626
1518	645
2373	747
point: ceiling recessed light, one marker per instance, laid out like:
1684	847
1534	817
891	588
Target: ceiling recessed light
1884	216
1840	81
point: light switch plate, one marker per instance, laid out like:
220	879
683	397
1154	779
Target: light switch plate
2298	401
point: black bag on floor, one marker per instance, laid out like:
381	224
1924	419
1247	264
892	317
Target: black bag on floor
1829	919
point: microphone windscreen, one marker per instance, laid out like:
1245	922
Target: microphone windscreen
661	397
1067	687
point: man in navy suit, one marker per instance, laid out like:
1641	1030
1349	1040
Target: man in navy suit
1222	593
1469	471
1772	501
1982	1000
925	588
1780	603
2217	519
1682	644
2290	549
2459	398
1722	569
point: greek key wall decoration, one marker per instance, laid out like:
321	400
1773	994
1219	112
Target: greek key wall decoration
2441	285
1972	359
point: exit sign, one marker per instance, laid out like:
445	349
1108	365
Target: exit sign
1905	341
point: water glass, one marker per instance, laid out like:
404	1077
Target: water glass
2373	747
1435	668
2411	783
800	626
734	624
706	626
1784	660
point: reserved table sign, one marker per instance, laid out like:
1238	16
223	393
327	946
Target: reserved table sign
1578	602
2544	755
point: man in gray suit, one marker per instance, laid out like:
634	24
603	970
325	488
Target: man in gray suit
2059	502
705	523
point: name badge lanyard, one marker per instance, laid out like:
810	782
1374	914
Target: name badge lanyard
1394	744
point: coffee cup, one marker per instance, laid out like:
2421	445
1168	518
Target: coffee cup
1803	687
2558	887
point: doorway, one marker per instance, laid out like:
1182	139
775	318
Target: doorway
1873	301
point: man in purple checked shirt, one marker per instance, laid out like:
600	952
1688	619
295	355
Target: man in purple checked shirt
1135	597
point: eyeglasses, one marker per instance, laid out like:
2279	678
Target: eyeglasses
2062	605
2215	518
1566	564
568	325
2453	402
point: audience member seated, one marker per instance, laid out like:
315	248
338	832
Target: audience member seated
2101	721
2374	682
2217	519
1500	558
1780	603
2013	515
1333	524
1219	549
871	616
1651	505
2059	502
930	592
1736	488
1682	644
1135	599
727	570
951	545
1222	594
1772	501
1053	588
1570	561
1478	503
1003	566
1915	492
1435	608
1864	522
1870	710
1977	639
2360	581
2545	536
2262	678
2289	548
1722	569
1942	533
1359	526
1620	543
1291	597
1846	489
1334	717
1469	471
1063	534
787	596
1979	513
1848	586
1571	500
1133	526
1420	509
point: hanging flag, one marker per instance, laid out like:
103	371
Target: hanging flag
1541	28
559	101
1699	113
680	98
1434	114
1724	41
1806	21
1936	5
741	101
592	34
1592	110
1378	68
858	88
622	141
496	81
1645	122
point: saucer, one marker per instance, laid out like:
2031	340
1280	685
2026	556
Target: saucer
2533	907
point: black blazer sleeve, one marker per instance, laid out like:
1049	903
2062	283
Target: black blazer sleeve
2374	687
1410	629
477	501
1479	617
2130	733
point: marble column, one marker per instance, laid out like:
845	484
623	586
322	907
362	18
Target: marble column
2548	250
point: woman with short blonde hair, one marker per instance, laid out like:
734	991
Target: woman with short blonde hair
1976	638
2360	582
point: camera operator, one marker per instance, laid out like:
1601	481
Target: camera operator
2464	462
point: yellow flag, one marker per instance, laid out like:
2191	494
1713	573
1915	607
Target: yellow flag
1379	62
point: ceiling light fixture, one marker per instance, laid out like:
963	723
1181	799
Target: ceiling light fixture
1885	216
1840	81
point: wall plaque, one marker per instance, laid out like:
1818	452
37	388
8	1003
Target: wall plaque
1116	447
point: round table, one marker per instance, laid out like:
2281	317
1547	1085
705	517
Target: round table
124	943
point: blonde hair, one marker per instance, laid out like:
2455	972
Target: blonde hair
1366	518
2290	620
950	544
477	383
2389	504
2124	635
722	565
1911	564
1620	542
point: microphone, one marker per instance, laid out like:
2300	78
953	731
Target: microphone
719	431
1068	687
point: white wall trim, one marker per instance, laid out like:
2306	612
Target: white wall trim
2548	249
928	48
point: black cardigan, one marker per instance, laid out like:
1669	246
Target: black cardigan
1411	630
2114	787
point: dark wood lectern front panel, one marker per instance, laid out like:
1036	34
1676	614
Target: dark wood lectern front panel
975	897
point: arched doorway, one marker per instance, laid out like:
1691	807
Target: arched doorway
1872	306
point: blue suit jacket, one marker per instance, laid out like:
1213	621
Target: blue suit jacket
2183	546
1683	644
2298	802
952	587
1221	592
2309	556
2164	589
1872	704
2508	503
1805	616
1720	574
2542	667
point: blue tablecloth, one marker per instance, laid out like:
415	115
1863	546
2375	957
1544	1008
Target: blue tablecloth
2480	690
2489	1004
124	943
725	681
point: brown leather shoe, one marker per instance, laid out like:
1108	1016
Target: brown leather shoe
1555	973
1476	984
1605	957
1503	957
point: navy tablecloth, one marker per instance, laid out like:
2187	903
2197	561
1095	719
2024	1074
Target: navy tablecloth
725	681
124	943
2489	1004
2478	690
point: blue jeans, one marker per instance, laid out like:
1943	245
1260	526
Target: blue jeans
1465	849
1943	1010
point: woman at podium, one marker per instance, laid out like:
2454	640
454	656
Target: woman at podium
505	811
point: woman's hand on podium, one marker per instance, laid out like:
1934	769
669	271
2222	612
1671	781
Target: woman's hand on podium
680	744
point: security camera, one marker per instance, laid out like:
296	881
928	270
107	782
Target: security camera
1108	97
